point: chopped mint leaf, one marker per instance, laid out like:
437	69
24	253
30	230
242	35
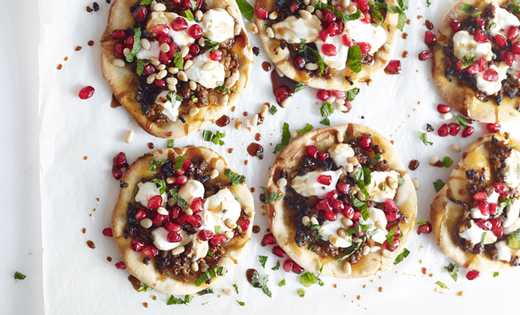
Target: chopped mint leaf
246	9
468	8
207	135
161	183
140	66
401	256
325	122
212	273
171	143
354	58
179	162
442	285
311	51
495	274
281	283
176	301
513	241
235	286
189	15
144	288
351	94
447	161
235	178
428	3
400	180
222	89
299	86
137	45
438	184
277	266
146	2
376	158
241	303
461	121
286	136
514	6
337	12
272	110
263	260
270	197
307	127
326	109
453	270
206	291
178	61
424	139
421	222
301	292
180	201
19	276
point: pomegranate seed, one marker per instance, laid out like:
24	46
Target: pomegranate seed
347	40
480	22
118	174
278	251
282	93
329	216
500	187
473	69
140	13
328	17
332	195
181	180
515	48
390	206
509	58
332	30
343	188
393	67
511	33
148	69
323	35
261	13
288	265
322	156
299	62
155	202
362	5
137	245
348	105
338	205
443	130
186	165
179	24
429	39
339	94
86	92
455	25
160	83
205	235
499	231
490	75
173	237
348	211
458	65
392	216
495	223
161	29
197	205
141	214
468	131
356	216
323	95
164	57
294	6
297	269
120	265
425	55
480	36
366	142
493	209
107	232
244	225
172	51
443	109
163	39
425	228
394	245
472	274
365	47
501	41
311	151
329	50
480	196
324	205
188	56
216	55
150	251
181	219
174	212
195	220
217	240
120	160
493	127
268	239
367	18
324	179
118	50
454	129
186	4
118	34
483	206
481	64
195	31
195	49
172	227
158	219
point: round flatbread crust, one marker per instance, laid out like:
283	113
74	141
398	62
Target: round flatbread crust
233	249
280	217
459	96
282	58
445	214
123	81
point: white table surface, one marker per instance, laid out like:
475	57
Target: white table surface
20	228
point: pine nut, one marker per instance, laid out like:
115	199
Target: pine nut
238	124
455	148
447	116
224	100
202	42
171	80
126	51
162	211
199	15
229	234
155	61
416	184
193	110
340	137
248	211
146	223
184	51
269	32
375	249
347	268
352	160
165	47
306	220
160	67
150	78
247	123
341	233
214	174
434	159
310	8
347	222
333	240
119	63
178	250
254	120
366	250
230	223
306	2
351	9
129	138
286	102
195	266
340	101
232	11
281	183
188	64
237	30
230	81
356	240
169	181
386	252
172	202
208	66
161	74
294	134
273	15
159	7
252	28
311	66
173	70
181	75
172	87
318	13
306	15
193	85
392	183
331	99
188	211
228	292
350	168
264	110
145	43
314	221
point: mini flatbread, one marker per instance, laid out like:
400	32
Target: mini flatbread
468	100
284	218
451	202
198	107
341	77
216	182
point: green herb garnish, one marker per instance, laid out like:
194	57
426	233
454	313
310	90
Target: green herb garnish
286	136
263	260
354	58
212	273
170	144
301	292
246	9
513	241
178	61
401	256
468	8
277	266
453	270
438	184
19	276
270	197
281	283
299	86
424	139
442	285
176	301
235	178
180	201
447	161
272	110
137	45
461	121
307	127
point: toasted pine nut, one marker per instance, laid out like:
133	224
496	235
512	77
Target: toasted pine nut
433	160
282	182
119	63
165	47
181	75
416	184
214	174
252	28
162	211
129	138
455	148
145	43
188	64
193	85
146	223
184	51
150	78
178	250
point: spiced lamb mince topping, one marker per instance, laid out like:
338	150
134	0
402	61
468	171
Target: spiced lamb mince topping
342	200
491	218
482	53
310	35
183	218
182	57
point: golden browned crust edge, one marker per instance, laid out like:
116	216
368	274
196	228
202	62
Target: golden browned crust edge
284	232
459	96
444	214
134	261
123	81
337	82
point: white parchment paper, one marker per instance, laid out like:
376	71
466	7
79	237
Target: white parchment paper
79	138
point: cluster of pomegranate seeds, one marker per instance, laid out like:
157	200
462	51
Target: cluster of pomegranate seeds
425	228
88	91
119	162
472	274
393	67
